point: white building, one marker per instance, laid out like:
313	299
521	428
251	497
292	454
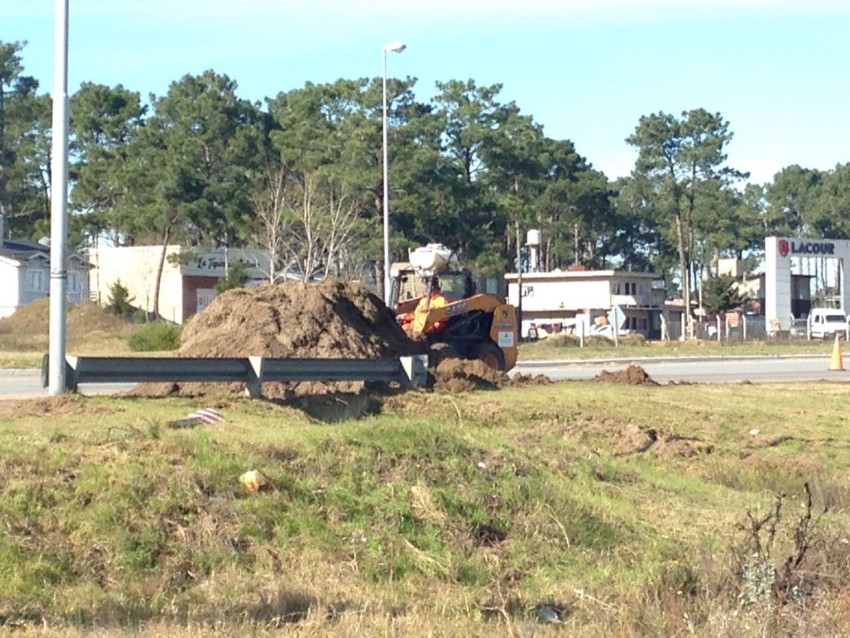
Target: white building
188	275
25	273
562	300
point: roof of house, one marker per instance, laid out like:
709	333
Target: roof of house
582	274
21	250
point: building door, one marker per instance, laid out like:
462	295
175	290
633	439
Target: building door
204	297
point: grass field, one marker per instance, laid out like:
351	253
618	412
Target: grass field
618	510
558	347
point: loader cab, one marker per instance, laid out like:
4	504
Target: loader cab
409	286
457	286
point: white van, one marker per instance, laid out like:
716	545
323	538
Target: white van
826	322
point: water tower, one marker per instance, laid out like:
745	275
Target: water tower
532	240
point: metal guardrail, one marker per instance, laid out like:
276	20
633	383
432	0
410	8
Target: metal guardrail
252	371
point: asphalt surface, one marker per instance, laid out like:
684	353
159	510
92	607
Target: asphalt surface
706	369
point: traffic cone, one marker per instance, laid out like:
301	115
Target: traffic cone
837	361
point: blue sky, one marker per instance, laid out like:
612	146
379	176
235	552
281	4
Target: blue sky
586	70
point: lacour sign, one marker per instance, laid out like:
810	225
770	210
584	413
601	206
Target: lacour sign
799	247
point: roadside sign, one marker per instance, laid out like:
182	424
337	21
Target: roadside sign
616	317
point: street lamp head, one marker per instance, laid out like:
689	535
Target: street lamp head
396	47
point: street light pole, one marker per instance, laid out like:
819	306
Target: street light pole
57	330
396	47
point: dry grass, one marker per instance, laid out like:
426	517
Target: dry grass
24	336
631	346
89	329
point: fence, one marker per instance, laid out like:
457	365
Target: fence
733	329
252	371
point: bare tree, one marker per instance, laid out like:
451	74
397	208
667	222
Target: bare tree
304	245
273	217
347	233
310	223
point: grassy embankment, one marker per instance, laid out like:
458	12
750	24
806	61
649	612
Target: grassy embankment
90	331
633	510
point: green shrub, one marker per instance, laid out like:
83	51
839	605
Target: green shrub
119	301
152	337
237	275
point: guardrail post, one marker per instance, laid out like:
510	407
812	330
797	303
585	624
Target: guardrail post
45	370
254	382
71	377
416	369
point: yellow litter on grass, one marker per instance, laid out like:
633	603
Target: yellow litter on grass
253	480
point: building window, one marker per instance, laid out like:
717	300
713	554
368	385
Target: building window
73	282
35	280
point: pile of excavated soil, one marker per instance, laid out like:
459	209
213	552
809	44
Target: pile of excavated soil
297	319
465	375
632	375
290	320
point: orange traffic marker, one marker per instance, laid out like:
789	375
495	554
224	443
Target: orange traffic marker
837	361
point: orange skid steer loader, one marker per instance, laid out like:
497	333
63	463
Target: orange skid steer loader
435	300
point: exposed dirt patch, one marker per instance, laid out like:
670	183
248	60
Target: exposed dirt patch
464	375
632	375
521	379
488	535
635	439
61	405
332	407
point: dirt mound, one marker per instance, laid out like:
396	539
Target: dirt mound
463	375
294	319
632	375
530	379
297	319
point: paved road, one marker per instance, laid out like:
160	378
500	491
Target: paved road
756	369
22	384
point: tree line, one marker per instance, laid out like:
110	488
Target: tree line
301	176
